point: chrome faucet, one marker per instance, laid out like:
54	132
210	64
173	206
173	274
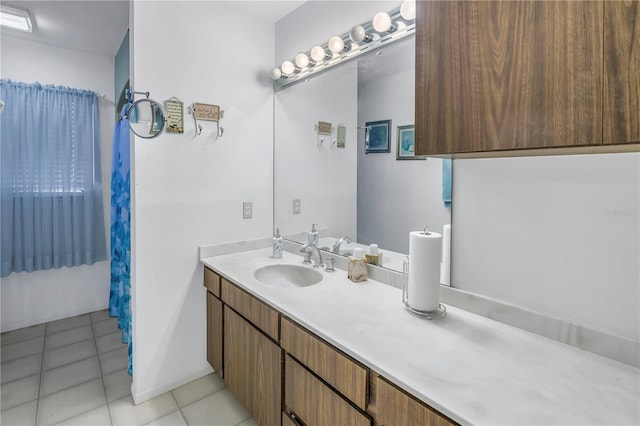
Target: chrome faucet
336	246
313	251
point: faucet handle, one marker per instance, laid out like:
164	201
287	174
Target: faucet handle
329	267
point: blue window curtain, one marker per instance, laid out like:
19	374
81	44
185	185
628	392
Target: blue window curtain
51	192
120	293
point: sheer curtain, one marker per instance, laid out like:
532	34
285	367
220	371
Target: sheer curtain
51	193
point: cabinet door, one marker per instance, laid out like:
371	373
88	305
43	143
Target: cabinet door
494	75
622	72
253	369
214	333
396	408
315	403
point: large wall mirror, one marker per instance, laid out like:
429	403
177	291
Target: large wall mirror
372	198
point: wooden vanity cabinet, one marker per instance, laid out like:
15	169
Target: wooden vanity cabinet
621	72
253	369
497	76
214	333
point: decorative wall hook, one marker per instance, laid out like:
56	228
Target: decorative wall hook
207	112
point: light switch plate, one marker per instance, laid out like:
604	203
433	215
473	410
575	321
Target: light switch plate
296	206
247	210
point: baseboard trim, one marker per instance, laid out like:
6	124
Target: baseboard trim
139	398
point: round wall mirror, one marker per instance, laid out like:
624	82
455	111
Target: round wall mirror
146	118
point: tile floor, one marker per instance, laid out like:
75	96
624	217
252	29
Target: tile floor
73	372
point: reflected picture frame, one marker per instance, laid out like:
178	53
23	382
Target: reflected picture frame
377	137
405	144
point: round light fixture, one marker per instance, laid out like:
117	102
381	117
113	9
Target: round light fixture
408	9
382	23
318	54
302	60
336	44
276	73
358	34
287	68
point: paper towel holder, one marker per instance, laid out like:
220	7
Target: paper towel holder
440	312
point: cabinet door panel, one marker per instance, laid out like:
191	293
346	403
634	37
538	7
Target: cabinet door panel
495	75
253	369
314	402
212	281
214	333
622	72
264	317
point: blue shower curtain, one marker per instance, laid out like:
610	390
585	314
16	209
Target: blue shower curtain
120	294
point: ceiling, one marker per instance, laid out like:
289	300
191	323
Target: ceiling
98	26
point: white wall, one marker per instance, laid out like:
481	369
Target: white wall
559	235
33	298
321	175
188	190
395	197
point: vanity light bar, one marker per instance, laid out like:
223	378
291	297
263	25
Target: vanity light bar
339	49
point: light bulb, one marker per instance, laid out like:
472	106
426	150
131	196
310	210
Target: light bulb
287	68
276	73
318	54
359	34
408	9
382	22
336	44
302	60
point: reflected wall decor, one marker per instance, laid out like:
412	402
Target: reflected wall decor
377	137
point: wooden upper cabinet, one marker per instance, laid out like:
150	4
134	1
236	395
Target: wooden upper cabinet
495	75
621	72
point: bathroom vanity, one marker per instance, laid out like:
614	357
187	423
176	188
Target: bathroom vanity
337	352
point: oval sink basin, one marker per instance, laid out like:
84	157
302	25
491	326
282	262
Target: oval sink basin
287	276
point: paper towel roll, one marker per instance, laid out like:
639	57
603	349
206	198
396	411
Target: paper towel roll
445	266
424	270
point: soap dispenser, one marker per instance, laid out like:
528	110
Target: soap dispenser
312	236
357	270
277	245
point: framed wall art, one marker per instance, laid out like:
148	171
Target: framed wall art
377	136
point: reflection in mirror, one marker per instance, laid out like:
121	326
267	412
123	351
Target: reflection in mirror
375	198
146	118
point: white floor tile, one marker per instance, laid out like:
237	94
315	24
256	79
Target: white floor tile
19	391
173	419
114	360
71	402
67	337
123	412
220	409
21	415
117	385
69	375
23	334
249	422
198	389
109	342
21	349
68	323
19	368
96	417
100	315
105	327
68	354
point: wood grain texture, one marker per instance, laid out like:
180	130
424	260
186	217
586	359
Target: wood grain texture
315	403
286	420
261	315
494	75
214	333
212	281
397	408
253	369
341	372
621	72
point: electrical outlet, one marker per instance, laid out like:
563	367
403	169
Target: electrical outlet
247	210
296	206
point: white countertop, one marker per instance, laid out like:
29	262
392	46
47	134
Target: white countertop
470	368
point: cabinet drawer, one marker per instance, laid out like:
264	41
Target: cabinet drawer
212	281
341	372
397	408
262	316
315	403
